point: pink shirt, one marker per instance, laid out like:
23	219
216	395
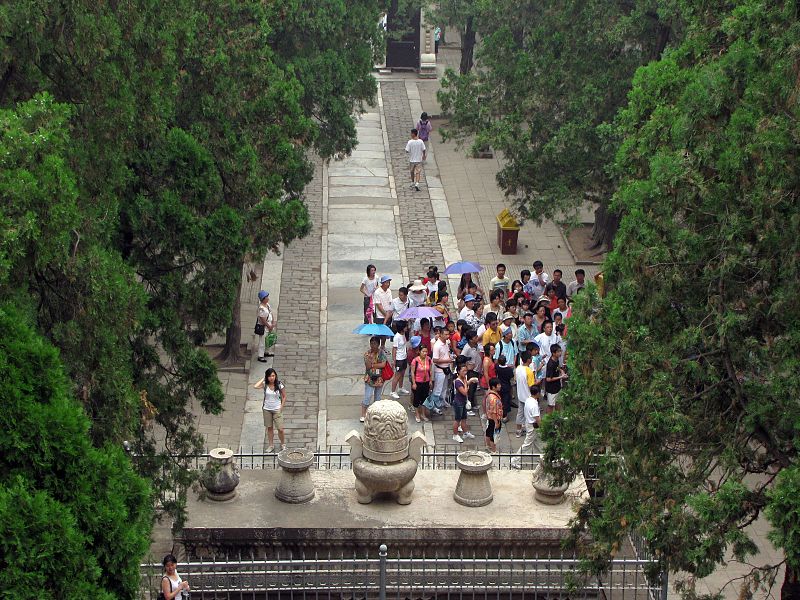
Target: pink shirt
422	370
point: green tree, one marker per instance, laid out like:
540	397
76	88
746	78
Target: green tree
74	519
686	373
552	75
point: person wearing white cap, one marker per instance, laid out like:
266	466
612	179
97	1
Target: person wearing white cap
468	312
382	300
416	293
265	322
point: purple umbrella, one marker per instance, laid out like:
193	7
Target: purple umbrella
420	312
462	267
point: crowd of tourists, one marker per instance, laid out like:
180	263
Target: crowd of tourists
508	342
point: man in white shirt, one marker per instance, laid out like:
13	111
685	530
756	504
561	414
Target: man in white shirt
538	282
468	312
524	378
401	303
417	153
400	359
546	339
532	420
578	284
382	300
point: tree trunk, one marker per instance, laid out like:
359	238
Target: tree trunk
605	228
790	590
231	353
467	47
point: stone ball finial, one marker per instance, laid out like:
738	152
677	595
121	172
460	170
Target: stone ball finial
386	431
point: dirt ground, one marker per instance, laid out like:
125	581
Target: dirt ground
580	239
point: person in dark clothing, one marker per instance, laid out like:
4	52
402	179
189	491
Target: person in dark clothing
553	376
505	373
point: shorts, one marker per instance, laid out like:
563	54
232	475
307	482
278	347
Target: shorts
459	412
552	399
273	418
490	429
421	393
415	167
400	365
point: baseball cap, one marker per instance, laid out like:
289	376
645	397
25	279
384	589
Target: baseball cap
469	298
262	294
507	330
416	341
385	278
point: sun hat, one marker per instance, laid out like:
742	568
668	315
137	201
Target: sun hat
262	294
416	341
469	298
543	299
418	286
385	278
507	316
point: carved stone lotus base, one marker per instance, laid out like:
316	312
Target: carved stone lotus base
544	489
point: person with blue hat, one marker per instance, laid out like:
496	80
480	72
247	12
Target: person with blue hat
265	322
468	312
382	301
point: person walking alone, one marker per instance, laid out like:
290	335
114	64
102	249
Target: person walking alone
417	153
267	322
272	408
424	127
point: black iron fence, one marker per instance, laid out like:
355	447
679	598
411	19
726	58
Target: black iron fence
434	575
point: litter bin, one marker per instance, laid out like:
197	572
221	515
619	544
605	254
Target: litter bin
507	232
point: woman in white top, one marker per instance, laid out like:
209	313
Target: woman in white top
272	409
172	586
399	358
368	286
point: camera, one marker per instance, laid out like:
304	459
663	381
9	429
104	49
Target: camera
373	378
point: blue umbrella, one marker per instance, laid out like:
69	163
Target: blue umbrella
374	329
420	312
462	267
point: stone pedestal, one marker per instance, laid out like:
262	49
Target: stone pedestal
473	487
221	476
295	485
544	489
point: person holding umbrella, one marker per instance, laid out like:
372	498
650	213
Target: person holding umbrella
374	361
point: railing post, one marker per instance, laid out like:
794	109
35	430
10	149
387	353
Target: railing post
664	583
382	552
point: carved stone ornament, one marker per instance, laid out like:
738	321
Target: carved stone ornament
385	459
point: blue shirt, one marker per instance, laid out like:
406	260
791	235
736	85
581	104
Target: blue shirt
508	350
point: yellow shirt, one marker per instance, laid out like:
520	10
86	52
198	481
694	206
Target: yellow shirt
491	337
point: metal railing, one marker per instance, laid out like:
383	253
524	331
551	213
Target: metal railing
454	575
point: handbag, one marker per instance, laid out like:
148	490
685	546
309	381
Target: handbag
387	372
259	328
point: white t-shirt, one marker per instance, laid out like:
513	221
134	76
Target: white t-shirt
398	307
384	300
370	284
272	398
521	377
545	341
531	411
400	343
415	149
537	284
264	312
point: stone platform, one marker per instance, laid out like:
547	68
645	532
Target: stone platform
256	523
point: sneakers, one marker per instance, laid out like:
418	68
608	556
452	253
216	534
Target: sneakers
470	413
459	429
416	186
395	395
469	435
437	411
262	359
518	434
361	419
417	419
458	438
283	447
404	391
270	449
516	464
